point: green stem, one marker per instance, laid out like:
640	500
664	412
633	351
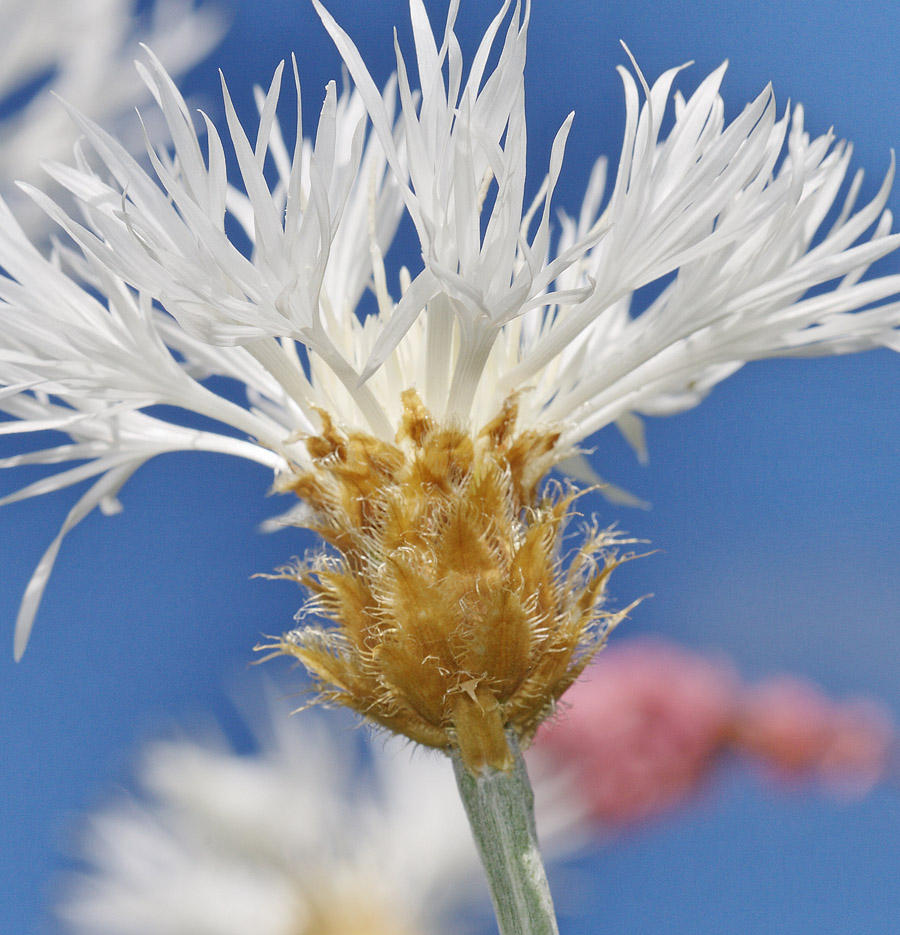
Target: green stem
500	807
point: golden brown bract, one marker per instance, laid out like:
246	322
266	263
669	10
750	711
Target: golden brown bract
454	617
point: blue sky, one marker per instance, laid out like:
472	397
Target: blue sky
774	507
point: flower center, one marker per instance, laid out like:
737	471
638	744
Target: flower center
453	618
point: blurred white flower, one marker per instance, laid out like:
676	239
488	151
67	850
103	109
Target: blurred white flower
320	832
502	317
339	832
83	53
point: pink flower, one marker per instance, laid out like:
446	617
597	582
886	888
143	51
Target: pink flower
651	723
640	733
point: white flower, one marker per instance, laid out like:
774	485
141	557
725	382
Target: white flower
728	218
83	52
318	831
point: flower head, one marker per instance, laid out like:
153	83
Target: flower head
641	731
313	834
417	423
651	723
454	620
